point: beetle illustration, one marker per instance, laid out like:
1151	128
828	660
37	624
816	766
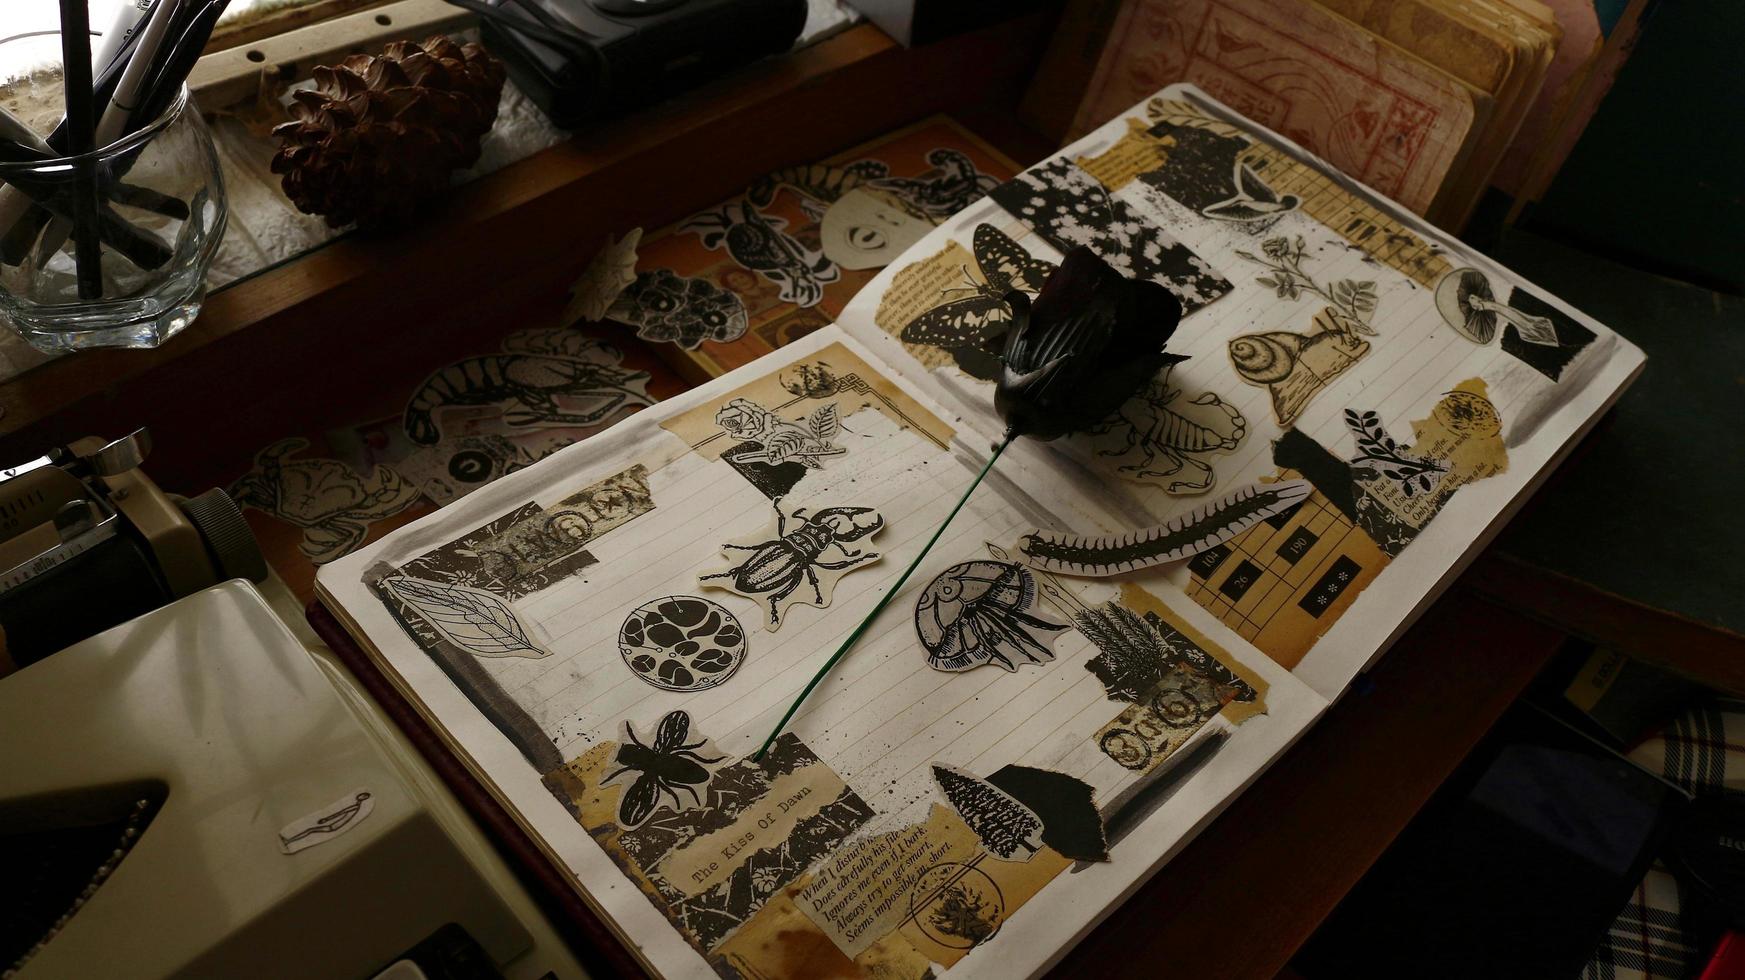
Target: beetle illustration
979	612
775	569
669	765
1159	424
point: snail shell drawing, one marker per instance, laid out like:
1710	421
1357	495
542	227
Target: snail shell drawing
1266	358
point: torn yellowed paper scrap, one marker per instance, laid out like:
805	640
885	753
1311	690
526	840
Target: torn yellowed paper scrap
712	858
1138	152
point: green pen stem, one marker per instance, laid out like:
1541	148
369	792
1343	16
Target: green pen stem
890	594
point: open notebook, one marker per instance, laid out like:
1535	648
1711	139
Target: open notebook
605	637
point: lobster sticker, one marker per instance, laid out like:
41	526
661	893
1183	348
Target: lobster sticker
535	389
799	563
1162	438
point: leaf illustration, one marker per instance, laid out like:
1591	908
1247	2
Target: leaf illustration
1380	453
824	422
783	445
1363	297
477	621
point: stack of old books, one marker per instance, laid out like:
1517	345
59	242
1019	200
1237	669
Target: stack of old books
1428	101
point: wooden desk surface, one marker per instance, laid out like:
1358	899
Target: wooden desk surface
1238	901
1633	543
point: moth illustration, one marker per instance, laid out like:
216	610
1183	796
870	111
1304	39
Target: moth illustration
967	326
979	612
669	765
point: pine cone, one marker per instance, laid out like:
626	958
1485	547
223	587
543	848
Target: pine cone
380	135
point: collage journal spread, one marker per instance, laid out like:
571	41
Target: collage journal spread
1117	634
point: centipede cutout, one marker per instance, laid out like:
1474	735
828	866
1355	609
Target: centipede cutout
1099	556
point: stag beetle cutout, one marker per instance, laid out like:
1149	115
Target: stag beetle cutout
799	563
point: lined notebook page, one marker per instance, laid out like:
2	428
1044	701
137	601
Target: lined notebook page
880	720
1412	362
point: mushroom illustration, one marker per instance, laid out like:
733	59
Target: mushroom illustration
1465	300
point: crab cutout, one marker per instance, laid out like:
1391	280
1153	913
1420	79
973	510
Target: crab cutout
327	499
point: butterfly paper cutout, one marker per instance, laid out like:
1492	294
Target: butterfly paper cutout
966	327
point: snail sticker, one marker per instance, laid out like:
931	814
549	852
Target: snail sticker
980	612
682	643
799	563
1293	367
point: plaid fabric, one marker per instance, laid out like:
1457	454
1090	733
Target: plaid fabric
1703	751
1645	941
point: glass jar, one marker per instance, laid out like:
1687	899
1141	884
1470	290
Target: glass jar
159	212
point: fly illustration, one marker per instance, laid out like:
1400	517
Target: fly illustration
669	765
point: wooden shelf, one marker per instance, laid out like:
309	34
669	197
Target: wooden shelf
532	225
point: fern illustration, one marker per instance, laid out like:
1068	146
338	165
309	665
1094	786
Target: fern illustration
1379	453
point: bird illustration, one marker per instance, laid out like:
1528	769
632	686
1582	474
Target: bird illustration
1253	201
